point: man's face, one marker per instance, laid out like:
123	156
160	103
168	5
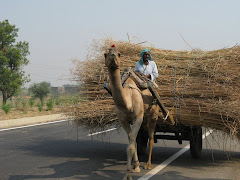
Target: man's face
146	57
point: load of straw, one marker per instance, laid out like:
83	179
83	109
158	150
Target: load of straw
198	87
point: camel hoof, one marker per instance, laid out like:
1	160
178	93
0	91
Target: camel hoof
128	176
136	170
147	166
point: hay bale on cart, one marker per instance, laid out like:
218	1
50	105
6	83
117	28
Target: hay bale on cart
199	88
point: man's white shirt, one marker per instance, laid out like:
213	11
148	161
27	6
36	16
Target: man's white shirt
151	69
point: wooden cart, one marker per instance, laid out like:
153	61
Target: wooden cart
176	131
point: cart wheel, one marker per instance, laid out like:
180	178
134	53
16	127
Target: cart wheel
196	142
142	140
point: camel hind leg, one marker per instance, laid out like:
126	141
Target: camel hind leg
151	130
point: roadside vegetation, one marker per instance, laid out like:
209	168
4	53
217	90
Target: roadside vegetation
15	101
26	104
13	58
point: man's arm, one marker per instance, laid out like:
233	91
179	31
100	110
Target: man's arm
149	76
154	74
137	67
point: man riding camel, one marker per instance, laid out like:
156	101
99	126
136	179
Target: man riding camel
146	65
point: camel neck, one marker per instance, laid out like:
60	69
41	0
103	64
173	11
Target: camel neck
115	80
116	86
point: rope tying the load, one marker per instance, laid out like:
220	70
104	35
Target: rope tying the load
178	113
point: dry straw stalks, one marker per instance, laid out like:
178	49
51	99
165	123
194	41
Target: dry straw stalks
199	87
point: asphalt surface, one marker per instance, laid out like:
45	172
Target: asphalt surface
61	151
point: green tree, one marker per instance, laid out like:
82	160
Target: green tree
12	60
40	90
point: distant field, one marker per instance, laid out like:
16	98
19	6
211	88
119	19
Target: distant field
20	106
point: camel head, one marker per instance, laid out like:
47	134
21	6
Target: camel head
112	58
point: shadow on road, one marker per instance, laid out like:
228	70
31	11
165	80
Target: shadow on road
80	160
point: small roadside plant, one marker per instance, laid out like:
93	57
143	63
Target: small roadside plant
40	107
57	101
6	108
31	102
74	99
24	103
50	104
17	101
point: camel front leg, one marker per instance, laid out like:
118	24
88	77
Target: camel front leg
128	130
132	151
136	162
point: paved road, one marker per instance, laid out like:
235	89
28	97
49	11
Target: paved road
59	151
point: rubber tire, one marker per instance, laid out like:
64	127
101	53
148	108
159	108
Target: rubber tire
142	140
196	142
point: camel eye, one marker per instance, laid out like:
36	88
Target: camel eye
119	54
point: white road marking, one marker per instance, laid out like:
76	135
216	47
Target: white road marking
92	134
20	127
169	160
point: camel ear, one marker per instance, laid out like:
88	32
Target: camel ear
105	55
119	54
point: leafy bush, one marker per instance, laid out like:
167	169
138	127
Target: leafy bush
50	104
40	107
6	108
40	90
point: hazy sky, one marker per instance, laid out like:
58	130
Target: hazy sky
61	30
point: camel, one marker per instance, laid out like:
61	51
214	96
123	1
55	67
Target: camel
131	105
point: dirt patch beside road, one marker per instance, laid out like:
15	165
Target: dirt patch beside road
11	123
21	117
21	113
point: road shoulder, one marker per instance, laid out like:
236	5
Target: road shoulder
30	120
